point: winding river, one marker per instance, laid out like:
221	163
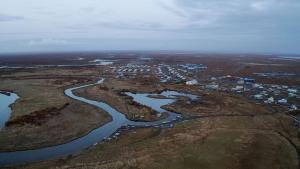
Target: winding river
99	134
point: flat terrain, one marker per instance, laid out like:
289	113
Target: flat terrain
111	92
222	130
221	142
44	116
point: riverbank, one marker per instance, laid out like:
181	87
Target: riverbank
219	131
115	98
219	142
5	92
47	121
92	138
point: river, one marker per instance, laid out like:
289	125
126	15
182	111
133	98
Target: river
99	134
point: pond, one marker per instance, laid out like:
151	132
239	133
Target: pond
5	101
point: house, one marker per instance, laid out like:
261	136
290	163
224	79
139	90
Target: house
237	88
212	86
255	85
292	95
249	80
258	97
284	86
264	93
192	82
231	78
240	82
270	100
213	78
292	90
293	107
282	101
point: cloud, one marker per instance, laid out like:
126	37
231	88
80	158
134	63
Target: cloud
259	5
235	22
133	26
87	9
171	7
47	42
7	18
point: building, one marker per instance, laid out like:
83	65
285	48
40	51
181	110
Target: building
282	101
270	100
258	97
192	82
240	82
237	88
213	78
212	86
292	90
292	95
249	80
293	107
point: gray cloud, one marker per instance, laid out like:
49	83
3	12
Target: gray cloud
172	10
253	25
138	25
47	42
7	18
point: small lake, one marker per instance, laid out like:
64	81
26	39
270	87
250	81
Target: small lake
102	62
5	110
154	102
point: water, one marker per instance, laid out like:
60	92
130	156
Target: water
156	104
96	62
174	94
97	135
5	110
102	62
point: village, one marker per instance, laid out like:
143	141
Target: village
166	73
231	94
150	84
284	96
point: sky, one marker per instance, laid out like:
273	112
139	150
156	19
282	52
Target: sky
264	26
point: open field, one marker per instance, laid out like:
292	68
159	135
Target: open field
228	136
223	129
220	142
213	103
150	84
111	92
44	116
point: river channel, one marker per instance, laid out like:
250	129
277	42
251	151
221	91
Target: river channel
96	135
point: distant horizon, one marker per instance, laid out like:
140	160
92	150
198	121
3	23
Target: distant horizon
145	51
254	26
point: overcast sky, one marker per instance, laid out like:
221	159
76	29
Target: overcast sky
271	26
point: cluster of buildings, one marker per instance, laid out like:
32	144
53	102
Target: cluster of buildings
275	74
193	67
266	93
165	72
130	70
179	73
185	73
284	96
168	73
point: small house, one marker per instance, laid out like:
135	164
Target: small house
282	101
258	97
249	80
192	82
270	100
